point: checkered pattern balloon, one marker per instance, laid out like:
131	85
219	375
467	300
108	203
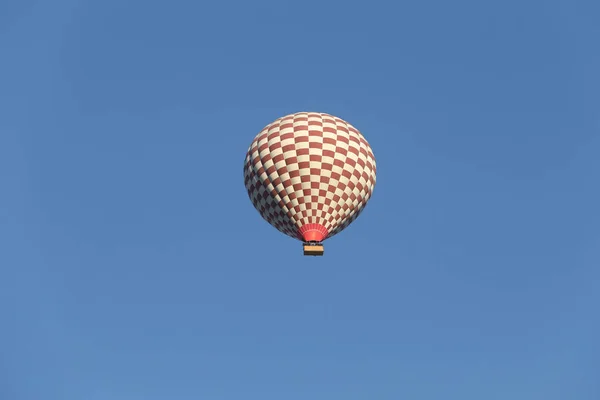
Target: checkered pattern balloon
309	174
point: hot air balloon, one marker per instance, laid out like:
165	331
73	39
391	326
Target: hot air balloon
309	175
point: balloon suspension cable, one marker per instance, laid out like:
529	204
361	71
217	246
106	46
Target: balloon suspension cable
313	243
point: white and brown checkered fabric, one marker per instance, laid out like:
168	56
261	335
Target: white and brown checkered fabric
309	170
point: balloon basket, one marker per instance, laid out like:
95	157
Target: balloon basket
313	249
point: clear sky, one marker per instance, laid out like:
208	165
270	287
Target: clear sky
133	265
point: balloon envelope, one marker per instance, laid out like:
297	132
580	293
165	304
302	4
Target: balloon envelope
309	174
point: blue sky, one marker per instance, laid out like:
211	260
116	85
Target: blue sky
133	266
